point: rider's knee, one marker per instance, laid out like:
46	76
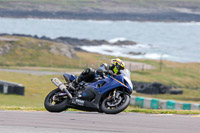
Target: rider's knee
87	75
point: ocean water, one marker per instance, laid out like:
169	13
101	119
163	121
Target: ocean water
171	41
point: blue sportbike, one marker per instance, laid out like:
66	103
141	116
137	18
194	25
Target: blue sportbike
106	94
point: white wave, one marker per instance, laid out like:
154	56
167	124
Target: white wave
190	23
155	56
120	51
99	21
139	46
117	39
103	49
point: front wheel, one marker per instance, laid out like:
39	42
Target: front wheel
112	105
54	103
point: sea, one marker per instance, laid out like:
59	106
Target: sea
174	41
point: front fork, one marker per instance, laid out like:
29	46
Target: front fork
115	95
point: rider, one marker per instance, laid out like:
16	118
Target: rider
89	74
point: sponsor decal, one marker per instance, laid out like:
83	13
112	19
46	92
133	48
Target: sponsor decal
78	102
119	82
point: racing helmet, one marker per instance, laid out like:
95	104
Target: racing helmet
116	65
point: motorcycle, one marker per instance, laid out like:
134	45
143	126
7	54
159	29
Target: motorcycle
106	94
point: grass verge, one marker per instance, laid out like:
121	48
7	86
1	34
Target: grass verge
159	111
130	109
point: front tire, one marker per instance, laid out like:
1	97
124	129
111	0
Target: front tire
118	108
57	106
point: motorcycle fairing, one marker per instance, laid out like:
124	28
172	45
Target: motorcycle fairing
79	103
111	83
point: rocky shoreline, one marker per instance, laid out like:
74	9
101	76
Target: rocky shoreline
155	16
75	42
133	10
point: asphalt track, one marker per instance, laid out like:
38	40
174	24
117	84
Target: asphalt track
87	122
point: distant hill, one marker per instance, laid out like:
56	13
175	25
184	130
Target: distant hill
140	10
23	51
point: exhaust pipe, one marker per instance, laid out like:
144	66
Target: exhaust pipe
61	86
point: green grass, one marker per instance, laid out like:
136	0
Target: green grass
35	52
159	111
188	96
184	75
32	52
37	87
22	108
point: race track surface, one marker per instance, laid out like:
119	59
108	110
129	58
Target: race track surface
87	122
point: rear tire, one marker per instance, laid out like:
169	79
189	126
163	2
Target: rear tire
58	107
123	105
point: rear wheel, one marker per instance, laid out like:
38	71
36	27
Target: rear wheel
55	103
113	105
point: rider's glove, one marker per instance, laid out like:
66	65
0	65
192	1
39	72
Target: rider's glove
110	72
100	72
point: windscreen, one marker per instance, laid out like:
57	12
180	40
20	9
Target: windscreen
126	72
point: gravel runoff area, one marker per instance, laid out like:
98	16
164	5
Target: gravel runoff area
91	122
